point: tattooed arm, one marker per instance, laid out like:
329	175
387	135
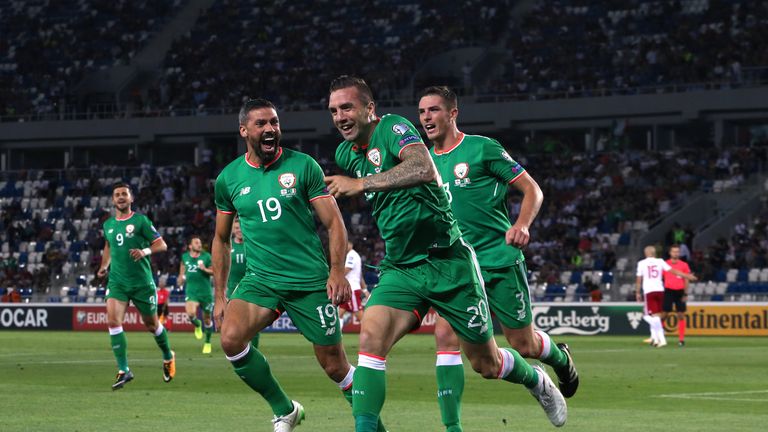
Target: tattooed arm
416	168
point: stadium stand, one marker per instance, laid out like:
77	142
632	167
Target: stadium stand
47	48
50	232
576	48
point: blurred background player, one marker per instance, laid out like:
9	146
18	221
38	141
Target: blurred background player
163	298
195	271
676	291
354	268
649	279
237	266
130	238
476	172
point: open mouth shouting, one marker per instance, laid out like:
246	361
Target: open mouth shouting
430	129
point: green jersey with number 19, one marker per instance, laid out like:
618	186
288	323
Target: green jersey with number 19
132	232
475	172
273	202
412	220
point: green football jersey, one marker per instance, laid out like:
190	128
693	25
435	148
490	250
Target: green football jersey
133	232
273	201
197	282
475	173
411	221
237	266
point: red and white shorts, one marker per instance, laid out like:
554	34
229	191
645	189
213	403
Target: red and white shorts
654	302
355	303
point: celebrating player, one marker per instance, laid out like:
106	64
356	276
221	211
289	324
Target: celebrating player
237	266
195	270
649	278
273	190
676	291
130	240
476	172
354	274
427	264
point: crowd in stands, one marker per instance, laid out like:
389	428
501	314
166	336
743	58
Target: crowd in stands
289	52
47	47
577	47
593	202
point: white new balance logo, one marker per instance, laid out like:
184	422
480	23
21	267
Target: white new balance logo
245	190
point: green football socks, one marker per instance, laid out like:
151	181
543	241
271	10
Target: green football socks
119	347
550	353
450	387
368	392
161	338
252	367
515	369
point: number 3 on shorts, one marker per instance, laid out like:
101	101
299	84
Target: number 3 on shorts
480	310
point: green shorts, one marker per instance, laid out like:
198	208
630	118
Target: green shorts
311	311
143	297
449	281
202	296
508	295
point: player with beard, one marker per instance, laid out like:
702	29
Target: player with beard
477	172
427	264
195	271
130	238
273	191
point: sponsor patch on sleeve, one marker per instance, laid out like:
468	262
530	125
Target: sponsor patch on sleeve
410	139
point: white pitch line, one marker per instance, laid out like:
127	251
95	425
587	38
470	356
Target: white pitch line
721	396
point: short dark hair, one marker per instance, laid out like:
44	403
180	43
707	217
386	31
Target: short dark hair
121	185
252	104
345	81
444	92
195	236
675	245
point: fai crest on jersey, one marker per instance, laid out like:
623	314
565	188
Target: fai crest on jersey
461	170
129	229
374	155
400	128
287	180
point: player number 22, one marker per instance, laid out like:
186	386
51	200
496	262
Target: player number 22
273	207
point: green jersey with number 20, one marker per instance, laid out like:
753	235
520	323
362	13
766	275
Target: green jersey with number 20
133	232
475	172
274	204
412	220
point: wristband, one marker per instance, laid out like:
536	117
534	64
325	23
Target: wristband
146	251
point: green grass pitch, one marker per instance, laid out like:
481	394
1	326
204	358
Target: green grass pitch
60	381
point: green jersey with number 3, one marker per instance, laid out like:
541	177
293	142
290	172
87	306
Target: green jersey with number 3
133	232
237	265
198	282
475	173
412	220
274	204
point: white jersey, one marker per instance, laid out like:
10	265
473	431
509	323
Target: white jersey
651	270
356	273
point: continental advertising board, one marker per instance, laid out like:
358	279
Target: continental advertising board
703	319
